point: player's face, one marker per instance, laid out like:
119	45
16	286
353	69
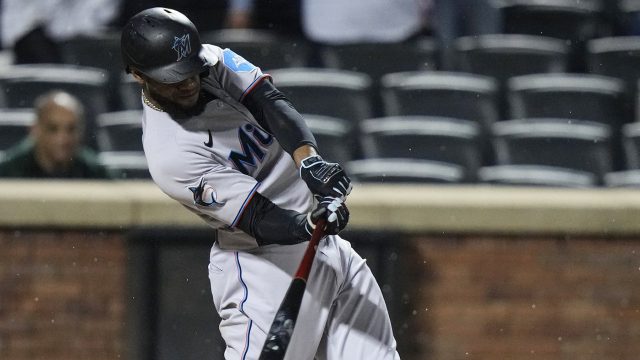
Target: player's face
183	94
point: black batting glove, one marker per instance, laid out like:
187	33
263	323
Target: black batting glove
325	179
334	210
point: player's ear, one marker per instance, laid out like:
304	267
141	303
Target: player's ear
138	76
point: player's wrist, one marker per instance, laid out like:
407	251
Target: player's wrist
309	161
303	227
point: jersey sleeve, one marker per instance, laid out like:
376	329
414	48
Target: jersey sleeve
220	193
237	75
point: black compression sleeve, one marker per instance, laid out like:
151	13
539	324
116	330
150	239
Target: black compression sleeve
277	115
271	224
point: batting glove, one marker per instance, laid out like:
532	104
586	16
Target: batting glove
334	210
324	178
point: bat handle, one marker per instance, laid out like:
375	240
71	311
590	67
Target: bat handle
307	260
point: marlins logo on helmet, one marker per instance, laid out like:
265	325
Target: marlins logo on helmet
182	45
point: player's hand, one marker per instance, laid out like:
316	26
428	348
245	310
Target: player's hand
324	178
334	210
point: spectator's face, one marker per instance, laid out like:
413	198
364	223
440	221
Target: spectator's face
57	134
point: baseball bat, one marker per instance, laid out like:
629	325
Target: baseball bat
275	346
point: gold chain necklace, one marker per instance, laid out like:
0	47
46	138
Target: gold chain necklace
150	104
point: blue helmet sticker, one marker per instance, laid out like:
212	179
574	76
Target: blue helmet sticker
236	62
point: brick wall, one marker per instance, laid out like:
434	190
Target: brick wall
61	295
524	298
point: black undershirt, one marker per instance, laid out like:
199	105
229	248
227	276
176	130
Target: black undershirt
262	219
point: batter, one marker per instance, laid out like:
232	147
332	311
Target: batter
220	139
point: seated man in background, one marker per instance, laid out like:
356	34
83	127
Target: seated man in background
53	148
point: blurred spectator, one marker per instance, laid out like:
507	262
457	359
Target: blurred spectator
337	22
456	18
53	148
282	16
206	15
34	28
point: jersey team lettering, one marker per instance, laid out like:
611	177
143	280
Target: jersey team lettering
254	142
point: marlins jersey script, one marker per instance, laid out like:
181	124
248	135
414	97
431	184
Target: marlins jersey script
214	162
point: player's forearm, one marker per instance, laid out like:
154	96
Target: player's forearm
277	115
271	224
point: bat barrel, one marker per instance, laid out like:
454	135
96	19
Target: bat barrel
279	335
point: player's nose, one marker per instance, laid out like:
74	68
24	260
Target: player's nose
188	84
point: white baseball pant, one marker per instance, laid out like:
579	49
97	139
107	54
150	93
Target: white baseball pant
342	316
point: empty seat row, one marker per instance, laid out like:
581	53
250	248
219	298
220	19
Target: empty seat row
348	95
497	55
582	146
421	149
550	152
530	43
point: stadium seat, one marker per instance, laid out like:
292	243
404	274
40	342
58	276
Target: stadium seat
631	145
447	94
535	175
626	13
266	49
125	165
120	131
439	139
22	84
333	137
336	93
502	56
615	56
569	96
564	19
572	144
14	126
99	51
618	57
569	20
404	171
619	179
376	59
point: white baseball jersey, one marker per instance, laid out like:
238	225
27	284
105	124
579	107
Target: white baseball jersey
214	162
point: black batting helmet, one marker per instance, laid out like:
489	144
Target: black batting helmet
163	44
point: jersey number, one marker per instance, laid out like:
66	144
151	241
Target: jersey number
253	141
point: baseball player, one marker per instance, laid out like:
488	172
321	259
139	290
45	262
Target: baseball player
224	142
